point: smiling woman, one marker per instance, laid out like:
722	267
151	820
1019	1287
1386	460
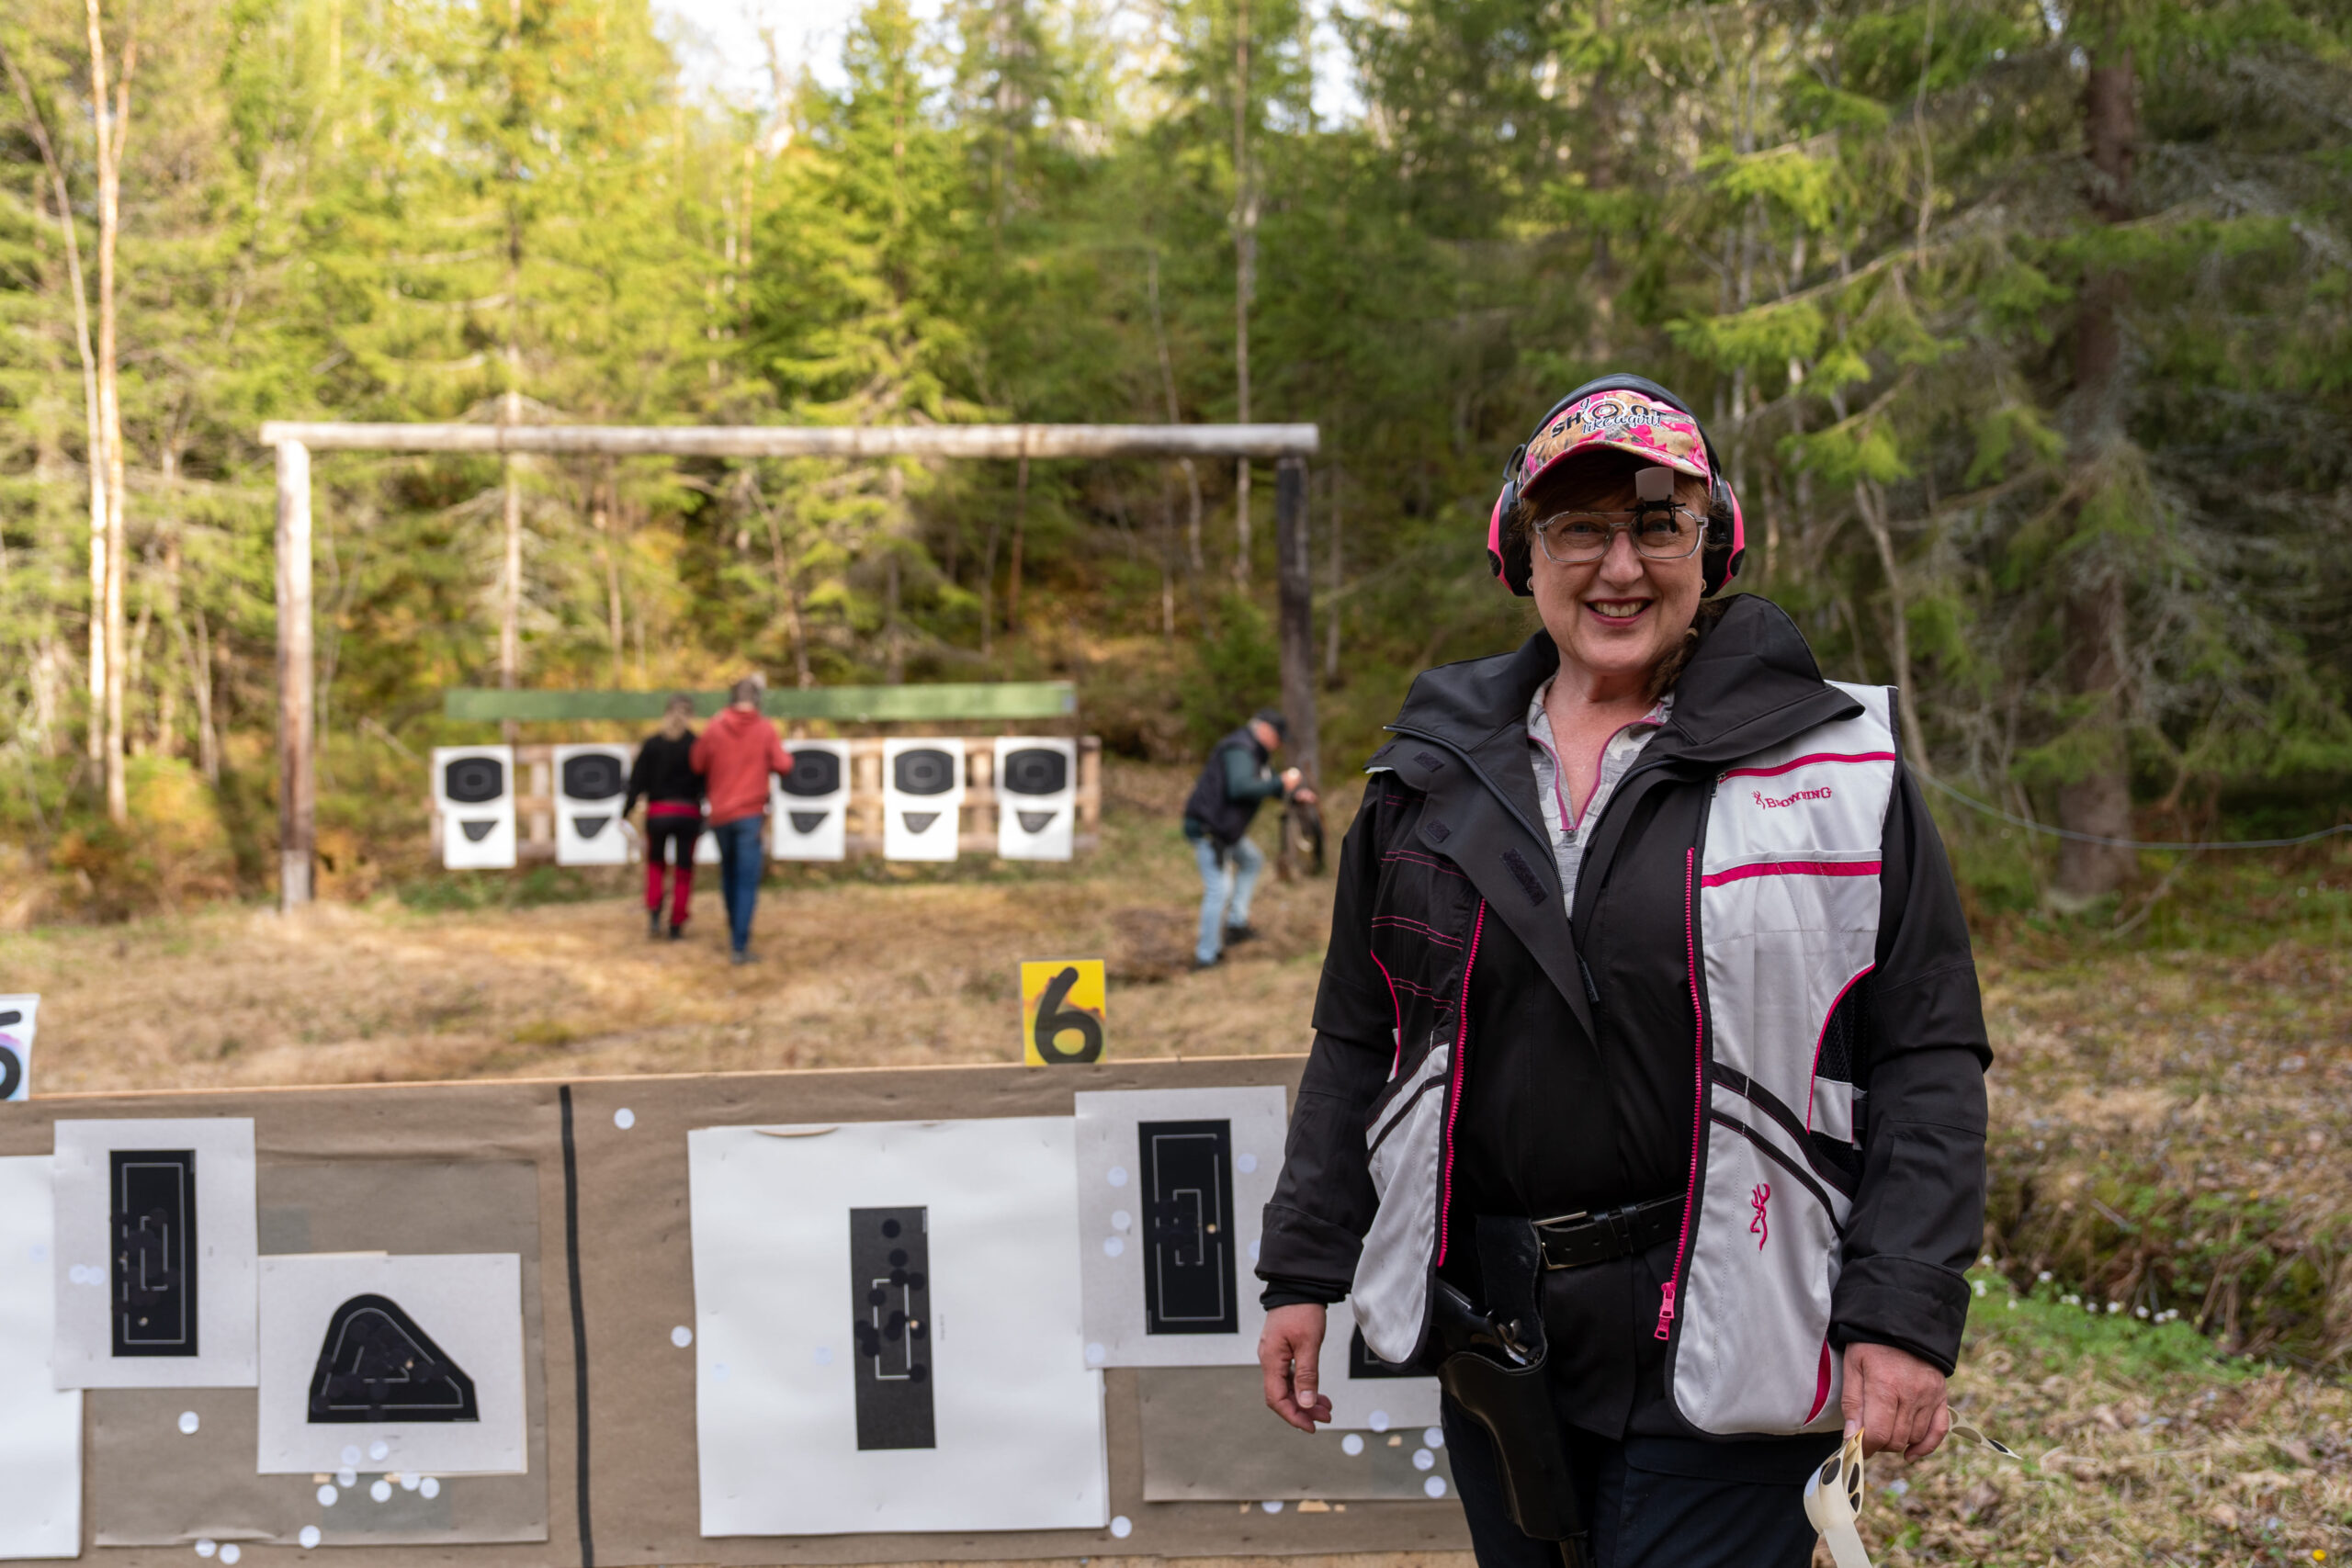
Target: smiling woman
1599	1023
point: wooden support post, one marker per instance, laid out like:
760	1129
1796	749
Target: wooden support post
297	781
1295	582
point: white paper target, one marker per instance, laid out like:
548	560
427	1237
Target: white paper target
808	808
923	796
172	1306
1036	798
1364	1395
591	782
19	1016
40	1426
1172	1187
473	790
887	1330
420	1353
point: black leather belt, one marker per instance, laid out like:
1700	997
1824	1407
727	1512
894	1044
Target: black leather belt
1573	1241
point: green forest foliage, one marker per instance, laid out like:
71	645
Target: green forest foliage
1859	236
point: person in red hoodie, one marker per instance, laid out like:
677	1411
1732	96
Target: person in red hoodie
735	754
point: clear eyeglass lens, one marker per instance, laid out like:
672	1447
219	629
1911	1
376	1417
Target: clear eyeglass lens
1574	538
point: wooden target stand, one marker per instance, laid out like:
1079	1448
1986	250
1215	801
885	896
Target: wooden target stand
1287	446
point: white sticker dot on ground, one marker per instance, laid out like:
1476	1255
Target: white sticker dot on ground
1123	1526
1433	1437
205	1549
1434	1486
682	1337
327	1496
309	1538
231	1552
1094	1354
1121	1220
1380	1420
189	1423
1117	1175
1273	1505
1113	1246
624	1118
382	1490
1245	1164
378	1450
429	1489
1352	1445
1424	1459
350	1457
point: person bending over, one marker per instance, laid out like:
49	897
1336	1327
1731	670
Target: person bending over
737	752
663	776
1648	1046
1217	815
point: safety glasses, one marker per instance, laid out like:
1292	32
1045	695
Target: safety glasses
1660	532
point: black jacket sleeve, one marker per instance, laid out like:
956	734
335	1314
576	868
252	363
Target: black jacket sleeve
1324	1202
1918	1217
641	779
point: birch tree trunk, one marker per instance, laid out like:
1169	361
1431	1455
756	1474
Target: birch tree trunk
111	129
1245	283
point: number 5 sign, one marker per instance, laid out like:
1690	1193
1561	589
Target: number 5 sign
1061	1011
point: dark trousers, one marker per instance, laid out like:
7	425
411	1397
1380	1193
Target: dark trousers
1652	1502
672	836
740	864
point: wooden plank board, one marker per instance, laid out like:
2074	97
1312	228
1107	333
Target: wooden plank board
985	701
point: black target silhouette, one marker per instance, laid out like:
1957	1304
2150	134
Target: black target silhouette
12	1070
154	1218
890	1259
814	772
807	822
477	831
473	781
377	1365
925	770
593	775
1035	769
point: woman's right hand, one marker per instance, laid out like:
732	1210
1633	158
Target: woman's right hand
1290	1353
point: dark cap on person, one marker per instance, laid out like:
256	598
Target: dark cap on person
1273	718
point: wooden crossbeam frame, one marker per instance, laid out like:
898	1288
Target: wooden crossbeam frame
1289	446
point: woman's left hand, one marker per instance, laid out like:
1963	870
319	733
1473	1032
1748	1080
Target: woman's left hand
1894	1400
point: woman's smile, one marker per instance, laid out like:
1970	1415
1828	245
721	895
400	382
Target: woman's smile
1617	612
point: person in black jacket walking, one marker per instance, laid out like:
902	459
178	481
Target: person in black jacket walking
664	777
1648	1029
1217	814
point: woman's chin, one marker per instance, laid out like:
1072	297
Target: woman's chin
1628	650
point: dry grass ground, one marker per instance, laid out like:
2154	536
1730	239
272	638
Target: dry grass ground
2168	1125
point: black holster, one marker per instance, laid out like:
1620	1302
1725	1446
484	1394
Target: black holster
1492	1363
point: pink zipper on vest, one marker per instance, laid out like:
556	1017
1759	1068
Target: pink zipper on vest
1699	1081
1461	1056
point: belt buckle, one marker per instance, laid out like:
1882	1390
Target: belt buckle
1544	1241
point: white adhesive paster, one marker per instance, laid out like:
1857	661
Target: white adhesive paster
682	1337
624	1118
309	1538
189	1423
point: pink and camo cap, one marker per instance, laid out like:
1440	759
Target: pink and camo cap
1622	422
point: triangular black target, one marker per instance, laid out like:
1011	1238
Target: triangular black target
807	822
589	826
378	1365
1035	821
920	822
477	831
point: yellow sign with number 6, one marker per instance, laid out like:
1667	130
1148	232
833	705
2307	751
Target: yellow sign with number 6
1061	1011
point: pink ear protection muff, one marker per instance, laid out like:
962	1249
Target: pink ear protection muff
1725	547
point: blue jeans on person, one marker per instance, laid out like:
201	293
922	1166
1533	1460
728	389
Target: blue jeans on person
1228	876
740	864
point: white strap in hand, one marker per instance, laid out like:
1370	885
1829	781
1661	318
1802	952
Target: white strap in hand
1833	1494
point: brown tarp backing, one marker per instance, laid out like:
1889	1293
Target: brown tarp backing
622	1487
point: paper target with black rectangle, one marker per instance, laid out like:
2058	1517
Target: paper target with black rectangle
591	782
422	1354
155	1253
40	1426
1036	798
1366	1394
1172	1186
808	808
923	796
473	789
18	1015
957	1400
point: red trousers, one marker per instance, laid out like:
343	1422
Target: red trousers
674	831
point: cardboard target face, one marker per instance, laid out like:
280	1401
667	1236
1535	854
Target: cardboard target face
1172	1186
18	1016
591	782
808	808
473	789
1366	1392
1036	798
923	796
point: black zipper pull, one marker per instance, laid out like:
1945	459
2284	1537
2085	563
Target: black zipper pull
1591	991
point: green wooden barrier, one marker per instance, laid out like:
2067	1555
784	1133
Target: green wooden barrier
863	705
